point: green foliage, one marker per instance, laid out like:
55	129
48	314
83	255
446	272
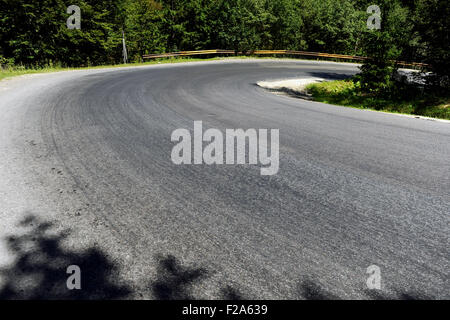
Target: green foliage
408	98
281	25
433	30
383	47
332	26
143	27
34	32
235	24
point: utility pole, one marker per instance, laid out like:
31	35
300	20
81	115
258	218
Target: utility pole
124	51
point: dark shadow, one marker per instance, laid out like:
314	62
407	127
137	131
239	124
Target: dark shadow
378	295
331	76
287	92
174	281
39	269
309	290
229	293
38	272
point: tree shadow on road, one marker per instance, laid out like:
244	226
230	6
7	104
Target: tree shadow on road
40	263
379	295
175	281
310	290
39	269
230	293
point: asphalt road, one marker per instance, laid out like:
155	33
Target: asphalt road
90	151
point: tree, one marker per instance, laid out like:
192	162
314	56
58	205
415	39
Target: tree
283	27
34	32
434	30
235	25
144	28
382	47
331	26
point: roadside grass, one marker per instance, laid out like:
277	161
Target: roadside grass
345	93
14	71
18	71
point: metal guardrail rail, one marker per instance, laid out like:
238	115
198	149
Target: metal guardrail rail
187	53
271	52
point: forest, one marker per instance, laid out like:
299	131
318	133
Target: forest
34	32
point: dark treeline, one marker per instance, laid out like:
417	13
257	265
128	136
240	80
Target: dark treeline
34	32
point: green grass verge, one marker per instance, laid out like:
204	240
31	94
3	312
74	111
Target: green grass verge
18	71
345	93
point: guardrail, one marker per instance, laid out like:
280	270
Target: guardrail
187	53
271	52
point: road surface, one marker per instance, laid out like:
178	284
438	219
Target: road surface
89	151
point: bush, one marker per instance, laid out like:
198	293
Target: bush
383	47
6	63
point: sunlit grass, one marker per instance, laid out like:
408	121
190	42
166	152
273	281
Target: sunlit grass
19	70
345	93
